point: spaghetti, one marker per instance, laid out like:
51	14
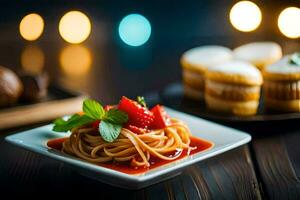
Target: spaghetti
86	143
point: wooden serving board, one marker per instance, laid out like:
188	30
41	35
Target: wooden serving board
59	102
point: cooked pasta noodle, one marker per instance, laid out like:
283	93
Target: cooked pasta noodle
86	143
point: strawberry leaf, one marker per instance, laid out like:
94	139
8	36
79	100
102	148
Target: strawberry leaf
141	101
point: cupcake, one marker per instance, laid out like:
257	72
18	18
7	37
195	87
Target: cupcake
233	87
282	84
259	54
194	64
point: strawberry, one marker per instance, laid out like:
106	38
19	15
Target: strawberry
161	118
137	130
138	115
95	124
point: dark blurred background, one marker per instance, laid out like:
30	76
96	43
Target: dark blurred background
115	68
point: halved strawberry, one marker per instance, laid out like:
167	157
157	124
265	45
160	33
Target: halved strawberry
137	130
161	118
138	115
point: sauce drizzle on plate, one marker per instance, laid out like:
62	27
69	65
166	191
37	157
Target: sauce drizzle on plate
199	144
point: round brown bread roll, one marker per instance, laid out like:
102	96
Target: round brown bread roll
35	86
10	87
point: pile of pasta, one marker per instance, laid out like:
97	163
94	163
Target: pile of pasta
137	149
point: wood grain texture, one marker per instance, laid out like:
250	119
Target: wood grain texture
276	169
227	176
39	112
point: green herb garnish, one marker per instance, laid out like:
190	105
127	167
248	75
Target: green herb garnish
115	116
61	125
109	131
295	59
141	101
111	121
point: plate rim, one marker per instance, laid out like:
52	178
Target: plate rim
139	178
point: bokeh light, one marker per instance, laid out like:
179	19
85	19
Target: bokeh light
31	27
32	60
245	16
75	60
74	27
134	29
289	22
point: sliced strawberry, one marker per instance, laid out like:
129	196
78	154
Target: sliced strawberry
138	115
137	130
95	124
161	118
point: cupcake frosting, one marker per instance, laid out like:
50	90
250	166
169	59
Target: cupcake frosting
206	56
235	72
283	66
237	68
258	52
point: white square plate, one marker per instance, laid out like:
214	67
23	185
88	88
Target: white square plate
224	139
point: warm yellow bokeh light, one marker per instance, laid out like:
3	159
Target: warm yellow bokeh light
74	27
32	60
31	26
245	16
75	60
289	22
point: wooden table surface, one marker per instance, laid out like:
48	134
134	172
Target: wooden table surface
266	168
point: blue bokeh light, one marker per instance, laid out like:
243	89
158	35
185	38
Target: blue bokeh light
134	30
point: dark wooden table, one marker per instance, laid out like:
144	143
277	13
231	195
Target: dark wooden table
266	168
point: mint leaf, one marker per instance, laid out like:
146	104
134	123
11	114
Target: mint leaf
116	116
109	127
109	131
61	125
59	121
141	101
93	109
295	59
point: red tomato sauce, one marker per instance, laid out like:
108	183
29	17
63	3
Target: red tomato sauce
155	162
